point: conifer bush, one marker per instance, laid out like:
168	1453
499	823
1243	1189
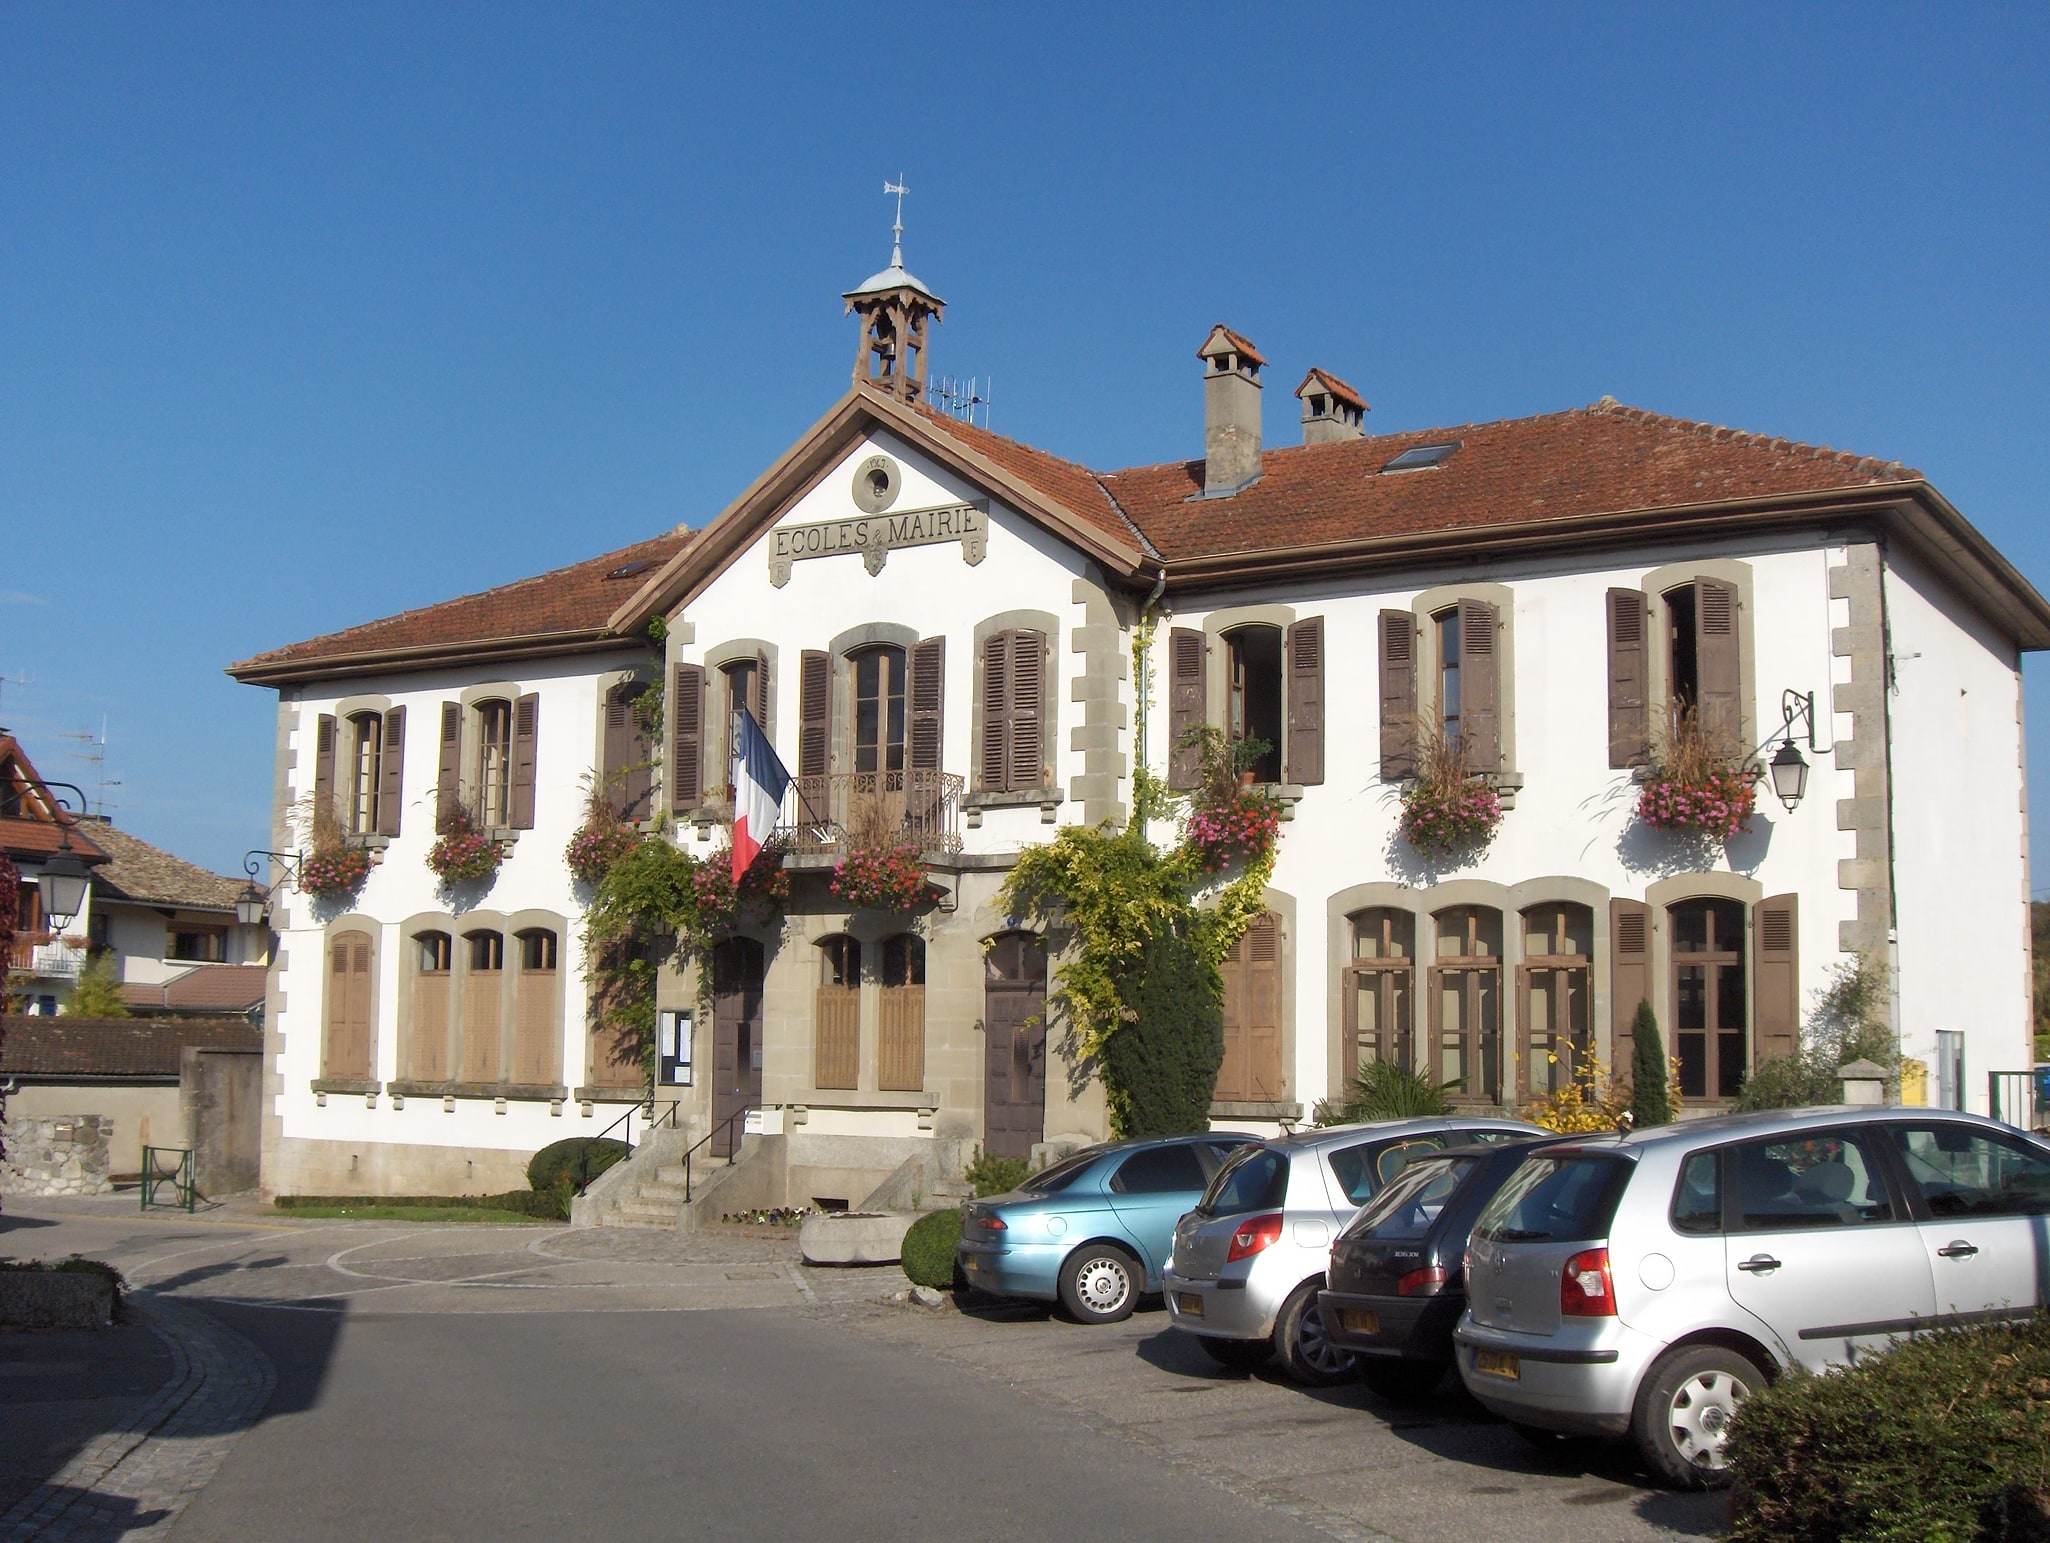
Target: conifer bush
1651	1098
1163	1063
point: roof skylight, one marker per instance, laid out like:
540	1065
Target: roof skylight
630	569
1418	457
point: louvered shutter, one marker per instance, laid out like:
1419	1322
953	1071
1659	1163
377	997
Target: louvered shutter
1028	711
1398	695
635	796
391	773
526	757
1306	701
995	772
618	747
1629	695
324	765
1186	709
1263	1004
1629	965
758	695
1777	1017
927	691
687	739
814	710
1715	654
1480	686
448	784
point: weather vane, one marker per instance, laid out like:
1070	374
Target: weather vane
897	230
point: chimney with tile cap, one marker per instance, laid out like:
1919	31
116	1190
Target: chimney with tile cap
1231	412
1332	410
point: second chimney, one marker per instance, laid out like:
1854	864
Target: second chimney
1332	410
1231	412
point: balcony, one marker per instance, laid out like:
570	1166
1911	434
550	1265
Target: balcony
822	815
48	960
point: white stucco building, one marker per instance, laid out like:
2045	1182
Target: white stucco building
991	639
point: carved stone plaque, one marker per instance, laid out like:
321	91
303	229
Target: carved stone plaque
874	535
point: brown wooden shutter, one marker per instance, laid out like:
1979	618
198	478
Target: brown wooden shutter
928	694
814	710
1028	711
1398	695
1629	693
1186	708
391	773
1629	966
324	765
618	747
1306	701
1776	1019
448	785
634	792
687	739
348	1008
525	758
1715	654
758	695
1263	997
994	774
1480	685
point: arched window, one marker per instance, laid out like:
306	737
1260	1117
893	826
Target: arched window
879	709
1466	1003
1380	987
1555	1000
483	991
494	763
837	1014
1710	1014
366	735
427	1058
537	1010
900	1016
1253	700
351	970
747	685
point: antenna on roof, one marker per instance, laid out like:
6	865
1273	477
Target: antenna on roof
959	399
94	754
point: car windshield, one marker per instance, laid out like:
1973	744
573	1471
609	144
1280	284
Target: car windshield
1063	1173
1256	1179
1565	1198
1408	1206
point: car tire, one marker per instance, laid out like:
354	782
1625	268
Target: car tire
1100	1283
1301	1345
1401	1382
1242	1354
1682	1418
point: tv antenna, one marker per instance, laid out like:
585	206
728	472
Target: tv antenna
93	751
962	399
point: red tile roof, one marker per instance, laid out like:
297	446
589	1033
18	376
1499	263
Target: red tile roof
137	871
205	988
1075	487
41	830
113	1048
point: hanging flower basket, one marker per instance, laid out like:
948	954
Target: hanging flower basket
1717	803
462	854
763	888
595	848
330	871
880	877
1440	818
1242	828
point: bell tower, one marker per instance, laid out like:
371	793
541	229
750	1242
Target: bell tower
896	311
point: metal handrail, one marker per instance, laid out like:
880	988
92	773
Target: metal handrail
655	1121
732	1154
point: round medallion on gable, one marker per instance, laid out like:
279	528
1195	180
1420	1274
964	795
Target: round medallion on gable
877	482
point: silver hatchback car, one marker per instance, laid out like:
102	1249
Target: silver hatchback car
1248	1262
1643	1284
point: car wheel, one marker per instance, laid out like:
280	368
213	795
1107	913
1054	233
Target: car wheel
1241	1353
1100	1283
1402	1382
1301	1345
1682	1420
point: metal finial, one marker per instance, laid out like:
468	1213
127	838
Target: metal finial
897	230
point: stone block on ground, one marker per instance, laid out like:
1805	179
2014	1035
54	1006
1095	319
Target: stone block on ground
854	1237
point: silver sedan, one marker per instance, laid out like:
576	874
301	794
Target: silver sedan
1248	1262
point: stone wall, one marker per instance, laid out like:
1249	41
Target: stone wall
58	1155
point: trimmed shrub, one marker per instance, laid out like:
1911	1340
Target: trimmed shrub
573	1161
1943	1437
1165	1059
996	1175
1651	1100
928	1254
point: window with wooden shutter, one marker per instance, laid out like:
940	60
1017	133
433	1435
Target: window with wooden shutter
493	804
1398	695
1629	965
1465	1001
900	1016
448	781
1306	701
836	1014
1716	661
1776	1019
1708	1009
324	766
537	1011
525	760
1186	708
427	1058
1629	690
391	789
348	1007
1480	728
1013	712
758	695
360	763
629	754
686	738
1251	1071
1255	709
814	715
483	993
994	774
928	692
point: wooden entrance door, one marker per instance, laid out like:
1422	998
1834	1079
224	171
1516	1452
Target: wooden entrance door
736	1038
1014	1038
1251	1071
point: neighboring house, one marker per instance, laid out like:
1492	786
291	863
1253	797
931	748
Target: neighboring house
34	829
926	610
204	991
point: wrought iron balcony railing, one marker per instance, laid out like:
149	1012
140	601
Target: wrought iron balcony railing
823	815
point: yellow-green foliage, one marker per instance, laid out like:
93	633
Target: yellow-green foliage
97	992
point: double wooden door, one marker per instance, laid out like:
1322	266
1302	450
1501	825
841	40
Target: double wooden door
1251	1072
737	967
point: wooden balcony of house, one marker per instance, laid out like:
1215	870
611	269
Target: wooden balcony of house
822	816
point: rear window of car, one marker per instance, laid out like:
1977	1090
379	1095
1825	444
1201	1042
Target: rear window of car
1407	1207
1568	1198
1256	1179
1363	1169
1063	1173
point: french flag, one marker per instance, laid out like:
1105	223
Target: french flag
759	782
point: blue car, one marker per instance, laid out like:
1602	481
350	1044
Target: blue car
1093	1230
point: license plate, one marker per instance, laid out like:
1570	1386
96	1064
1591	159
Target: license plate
1497	1363
1189	1303
1360	1322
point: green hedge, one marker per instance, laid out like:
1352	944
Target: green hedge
928	1255
1167	1057
574	1161
1945	1438
553	1204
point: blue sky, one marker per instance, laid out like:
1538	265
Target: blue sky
311	314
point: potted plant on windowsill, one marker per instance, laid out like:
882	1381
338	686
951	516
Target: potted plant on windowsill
1231	819
880	867
1447	809
462	853
600	841
1693	786
334	866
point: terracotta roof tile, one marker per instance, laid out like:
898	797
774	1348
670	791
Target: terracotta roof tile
40	830
137	871
113	1047
1076	488
205	988
1335	386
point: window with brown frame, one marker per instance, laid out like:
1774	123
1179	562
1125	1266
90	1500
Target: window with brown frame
1710	1013
1253	703
199	945
836	1014
629	750
494	763
1466	1003
900	1016
366	737
1013	711
1380	986
537	1010
483	986
427	1046
1555	998
745	683
879	709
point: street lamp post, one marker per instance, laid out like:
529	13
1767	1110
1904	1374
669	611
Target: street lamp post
253	903
63	880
